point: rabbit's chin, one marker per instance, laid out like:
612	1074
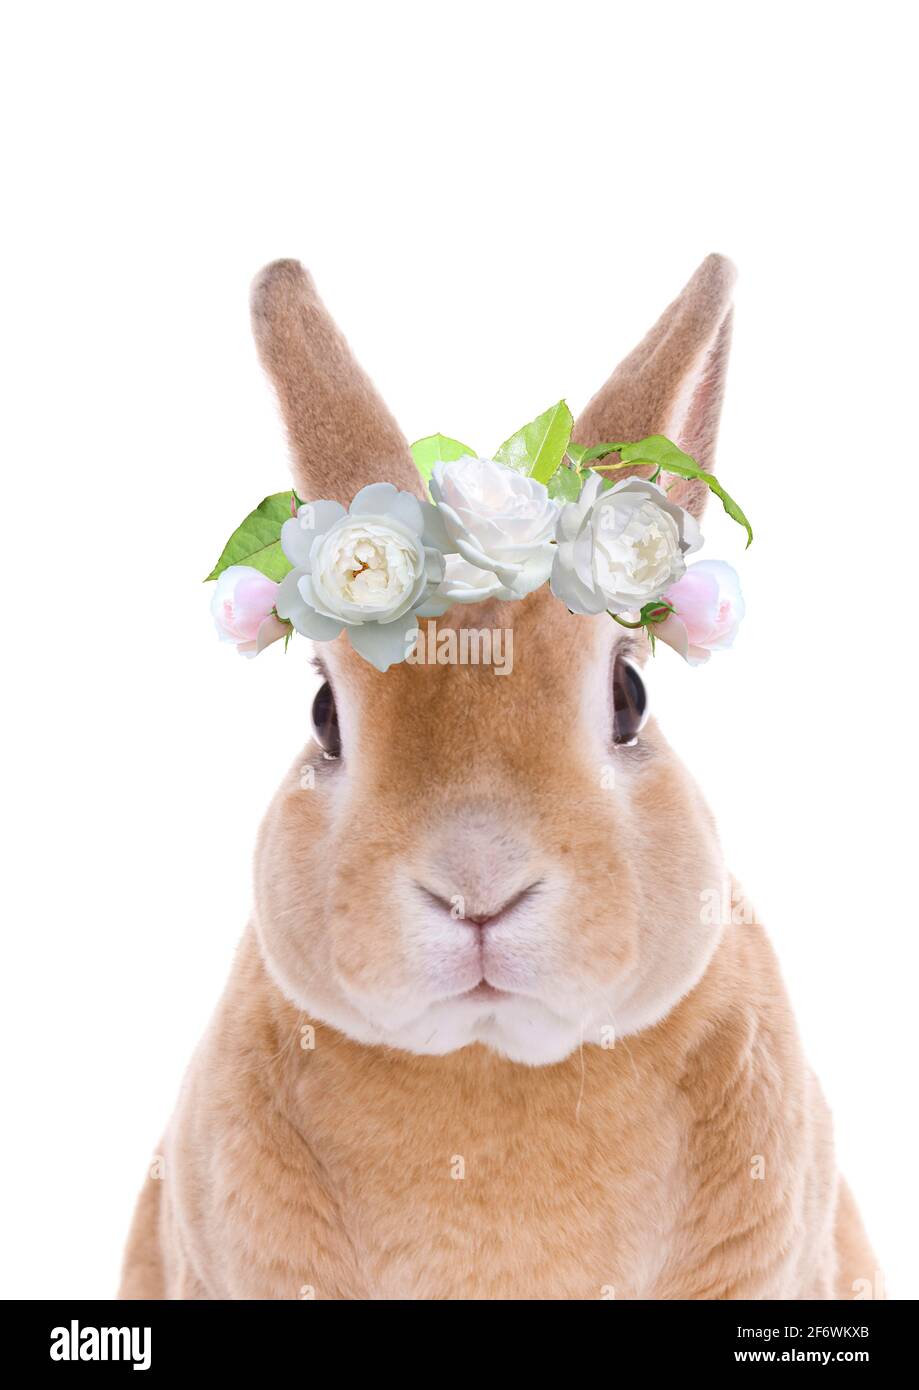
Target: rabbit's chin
520	1029
516	1027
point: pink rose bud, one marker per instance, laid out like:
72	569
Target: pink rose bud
708	608
242	605
271	630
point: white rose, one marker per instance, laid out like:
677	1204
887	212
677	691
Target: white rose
498	520
370	571
465	583
617	550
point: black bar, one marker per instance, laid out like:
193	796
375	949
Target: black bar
266	1337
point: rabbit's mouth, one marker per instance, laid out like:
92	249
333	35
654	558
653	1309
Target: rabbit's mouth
486	993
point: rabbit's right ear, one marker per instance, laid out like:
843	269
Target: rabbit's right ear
673	382
342	437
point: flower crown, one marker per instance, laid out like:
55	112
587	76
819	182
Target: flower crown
544	508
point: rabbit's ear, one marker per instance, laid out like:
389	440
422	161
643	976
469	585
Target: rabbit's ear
673	382
341	434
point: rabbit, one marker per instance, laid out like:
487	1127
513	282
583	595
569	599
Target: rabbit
369	1114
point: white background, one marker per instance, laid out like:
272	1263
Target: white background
496	201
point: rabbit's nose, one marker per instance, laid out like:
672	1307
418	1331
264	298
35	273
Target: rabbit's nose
479	915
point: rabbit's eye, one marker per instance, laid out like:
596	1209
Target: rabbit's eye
630	702
325	721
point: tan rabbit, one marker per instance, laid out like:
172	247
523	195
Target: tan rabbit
587	1086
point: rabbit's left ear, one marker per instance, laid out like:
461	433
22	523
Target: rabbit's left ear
673	382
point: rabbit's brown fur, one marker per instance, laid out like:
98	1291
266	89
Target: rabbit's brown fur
389	1155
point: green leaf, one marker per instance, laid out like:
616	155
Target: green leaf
727	501
662	454
437	448
598	451
257	542
576	453
539	447
565	485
